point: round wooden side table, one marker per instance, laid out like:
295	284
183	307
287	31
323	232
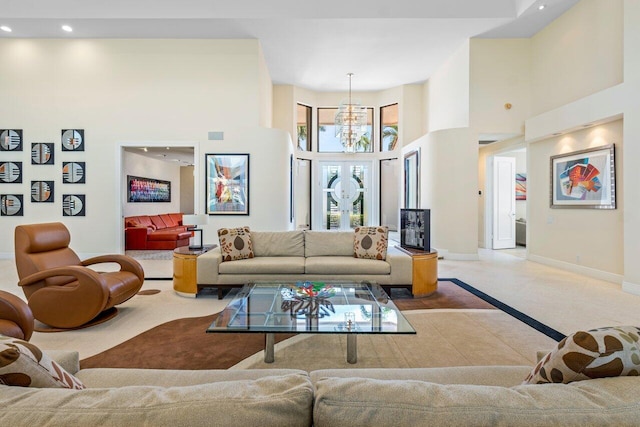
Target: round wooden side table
185	270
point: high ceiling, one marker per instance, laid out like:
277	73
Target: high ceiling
311	44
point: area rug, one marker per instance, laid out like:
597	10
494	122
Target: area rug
183	343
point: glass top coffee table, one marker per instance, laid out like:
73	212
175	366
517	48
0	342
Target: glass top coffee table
350	308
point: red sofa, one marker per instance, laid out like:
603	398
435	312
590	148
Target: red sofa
164	231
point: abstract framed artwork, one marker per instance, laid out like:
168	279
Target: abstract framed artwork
521	186
584	179
42	191
73	172
42	153
148	190
72	139
11	173
10	139
227	184
73	205
11	205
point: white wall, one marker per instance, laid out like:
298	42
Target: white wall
131	90
448	186
448	105
585	237
187	189
145	167
265	91
578	54
500	73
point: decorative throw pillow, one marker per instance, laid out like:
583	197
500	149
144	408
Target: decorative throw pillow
597	353
23	364
235	243
132	224
370	242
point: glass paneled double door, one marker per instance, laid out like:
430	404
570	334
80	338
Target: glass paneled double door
345	194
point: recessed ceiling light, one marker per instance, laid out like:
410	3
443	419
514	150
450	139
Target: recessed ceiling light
145	149
67	28
5	29
542	6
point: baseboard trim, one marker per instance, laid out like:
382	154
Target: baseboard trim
579	269
632	288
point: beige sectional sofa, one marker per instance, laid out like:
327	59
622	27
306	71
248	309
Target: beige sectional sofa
303	255
469	396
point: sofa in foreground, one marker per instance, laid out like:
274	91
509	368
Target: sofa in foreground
164	231
303	255
465	396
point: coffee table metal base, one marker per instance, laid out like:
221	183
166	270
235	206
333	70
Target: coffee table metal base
269	352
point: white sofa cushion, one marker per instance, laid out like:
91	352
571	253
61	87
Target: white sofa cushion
278	243
269	401
357	402
264	265
333	265
328	243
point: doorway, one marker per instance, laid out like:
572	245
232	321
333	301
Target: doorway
344	194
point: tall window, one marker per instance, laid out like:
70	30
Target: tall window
328	142
304	127
388	127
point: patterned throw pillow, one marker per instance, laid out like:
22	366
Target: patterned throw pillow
23	364
235	243
370	242
597	353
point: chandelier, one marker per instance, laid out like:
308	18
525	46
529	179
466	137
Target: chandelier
351	123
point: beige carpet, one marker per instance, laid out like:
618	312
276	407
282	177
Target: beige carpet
444	338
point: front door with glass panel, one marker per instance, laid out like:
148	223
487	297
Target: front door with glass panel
346	201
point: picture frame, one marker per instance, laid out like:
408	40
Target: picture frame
148	190
584	179
227	184
42	191
415	229
42	153
11	205
75	173
73	205
11	173
72	139
11	139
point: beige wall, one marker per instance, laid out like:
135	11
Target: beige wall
187	189
586	237
135	91
500	73
266	91
448	100
578	54
448	186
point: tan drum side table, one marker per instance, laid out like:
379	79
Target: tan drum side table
185	270
425	271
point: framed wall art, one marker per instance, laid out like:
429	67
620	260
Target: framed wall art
42	153
42	191
72	139
10	139
584	179
227	184
521	186
73	205
11	205
148	190
11	173
73	172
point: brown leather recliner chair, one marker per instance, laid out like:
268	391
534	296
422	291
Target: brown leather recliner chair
61	290
16	319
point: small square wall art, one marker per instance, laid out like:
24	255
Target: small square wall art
73	205
72	139
42	153
42	191
10	139
11	205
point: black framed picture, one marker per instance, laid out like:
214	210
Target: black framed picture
73	205
73	172
227	184
148	190
72	139
415	229
11	205
42	191
11	173
10	139
42	153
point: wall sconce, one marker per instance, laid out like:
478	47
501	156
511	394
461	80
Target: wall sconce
507	106
192	222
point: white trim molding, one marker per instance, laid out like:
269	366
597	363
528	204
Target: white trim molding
579	269
632	288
